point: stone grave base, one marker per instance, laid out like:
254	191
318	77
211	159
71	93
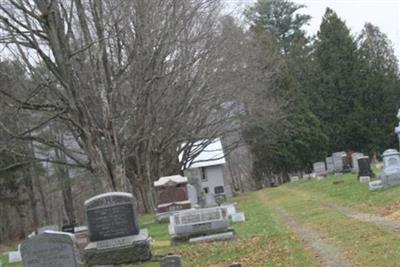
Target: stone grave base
389	180
364	179
213	236
375	185
164	216
127	249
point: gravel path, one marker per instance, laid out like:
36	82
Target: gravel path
327	254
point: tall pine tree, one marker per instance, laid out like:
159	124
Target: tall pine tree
335	88
378	97
303	141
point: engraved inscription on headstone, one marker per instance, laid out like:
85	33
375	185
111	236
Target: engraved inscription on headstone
111	215
115	237
49	250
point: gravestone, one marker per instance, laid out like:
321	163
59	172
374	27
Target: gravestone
375	185
354	160
229	207
14	256
238	217
391	168
172	195
364	179
50	249
192	194
319	168
171	261
192	223
346	164
330	167
364	167
294	178
115	237
81	234
68	228
45	228
337	158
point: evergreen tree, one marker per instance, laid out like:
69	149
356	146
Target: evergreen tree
378	98
334	92
303	140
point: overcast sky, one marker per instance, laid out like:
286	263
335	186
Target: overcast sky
382	13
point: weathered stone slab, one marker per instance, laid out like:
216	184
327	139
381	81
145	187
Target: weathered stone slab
171	261
238	217
45	228
212	238
330	167
354	159
120	250
199	221
364	179
319	168
375	185
338	161
50	249
230	208
14	256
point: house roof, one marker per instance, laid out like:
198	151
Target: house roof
212	155
176	179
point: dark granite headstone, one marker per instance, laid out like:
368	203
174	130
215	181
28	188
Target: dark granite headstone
346	164
111	215
364	167
69	228
115	237
50	249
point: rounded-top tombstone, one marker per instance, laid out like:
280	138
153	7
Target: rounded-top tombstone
391	161
111	215
50	249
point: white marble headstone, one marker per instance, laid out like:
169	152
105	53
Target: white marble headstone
14	257
238	217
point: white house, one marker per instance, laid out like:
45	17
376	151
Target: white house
208	168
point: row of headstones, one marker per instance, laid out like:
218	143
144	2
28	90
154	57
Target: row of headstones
114	237
339	163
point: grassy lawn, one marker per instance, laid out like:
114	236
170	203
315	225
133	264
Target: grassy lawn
262	240
265	240
363	244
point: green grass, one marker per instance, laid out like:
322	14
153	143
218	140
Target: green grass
4	258
265	240
363	244
261	241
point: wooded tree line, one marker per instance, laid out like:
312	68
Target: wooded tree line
100	95
342	90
